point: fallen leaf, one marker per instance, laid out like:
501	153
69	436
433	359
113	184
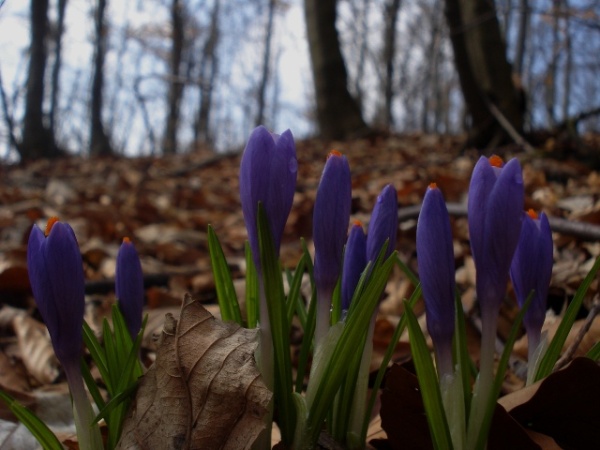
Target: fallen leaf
203	391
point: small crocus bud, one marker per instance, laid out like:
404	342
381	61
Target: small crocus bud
129	286
435	258
355	261
330	220
57	281
531	269
268	175
495	208
384	224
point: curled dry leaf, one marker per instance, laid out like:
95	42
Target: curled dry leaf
203	391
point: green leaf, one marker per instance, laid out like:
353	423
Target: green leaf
307	342
280	328
97	353
461	352
228	302
251	289
387	357
295	284
428	382
594	352
549	360
38	429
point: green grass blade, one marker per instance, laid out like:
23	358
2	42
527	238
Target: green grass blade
594	352
428	382
38	429
556	345
461	352
228	302
251	289
295	285
307	342
91	385
406	270
97	353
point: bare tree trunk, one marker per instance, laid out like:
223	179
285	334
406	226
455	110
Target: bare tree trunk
568	62
176	84
38	139
338	114
484	72
264	79
362	29
392	8
60	28
551	75
99	142
521	37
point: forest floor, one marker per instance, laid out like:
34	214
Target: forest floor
165	205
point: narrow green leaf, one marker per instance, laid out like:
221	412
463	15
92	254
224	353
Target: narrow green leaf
557	343
226	295
336	303
97	353
91	385
295	285
387	357
280	328
307	342
428	382
594	352
406	270
461	352
251	289
38	429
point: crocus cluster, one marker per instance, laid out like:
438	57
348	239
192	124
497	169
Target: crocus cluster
57	281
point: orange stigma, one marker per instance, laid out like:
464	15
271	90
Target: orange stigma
432	185
496	161
333	153
357	223
532	214
51	221
126	240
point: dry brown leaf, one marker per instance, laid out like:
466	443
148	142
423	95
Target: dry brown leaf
203	391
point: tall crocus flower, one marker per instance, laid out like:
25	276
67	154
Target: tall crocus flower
494	209
57	281
384	223
435	259
355	261
330	225
129	286
268	173
531	269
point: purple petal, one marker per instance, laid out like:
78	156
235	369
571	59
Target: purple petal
330	220
355	261
384	224
129	286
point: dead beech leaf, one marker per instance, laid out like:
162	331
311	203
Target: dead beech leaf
203	391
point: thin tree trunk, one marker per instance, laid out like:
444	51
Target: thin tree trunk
338	114
392	8
551	75
176	84
264	79
38	139
60	28
99	142
521	37
568	62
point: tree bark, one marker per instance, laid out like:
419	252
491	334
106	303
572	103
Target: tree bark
175	82
392	9
484	72
38	139
99	141
260	116
55	87
338	114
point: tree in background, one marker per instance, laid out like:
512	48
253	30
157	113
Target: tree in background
484	72
338	113
38	138
99	141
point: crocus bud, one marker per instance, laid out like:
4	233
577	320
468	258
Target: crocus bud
129	286
330	220
495	208
531	269
435	259
57	281
268	175
355	261
384	224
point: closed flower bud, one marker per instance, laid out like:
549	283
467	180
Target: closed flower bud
531	269
435	258
57	281
384	224
129	286
268	175
330	220
355	261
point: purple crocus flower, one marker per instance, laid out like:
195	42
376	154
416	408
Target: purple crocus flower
384	224
268	173
330	227
435	258
355	261
57	281
495	208
129	286
531	269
